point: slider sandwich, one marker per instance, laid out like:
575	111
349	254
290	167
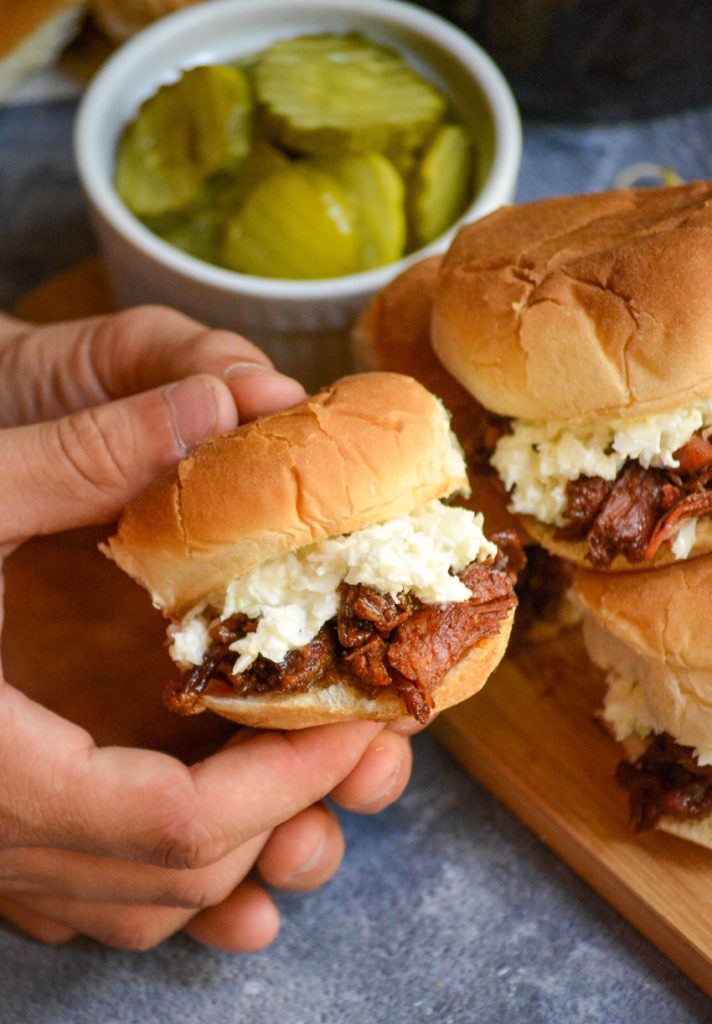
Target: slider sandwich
32	34
393	333
312	572
649	634
586	323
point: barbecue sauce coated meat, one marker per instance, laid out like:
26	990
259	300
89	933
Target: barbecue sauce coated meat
665	780
375	641
641	509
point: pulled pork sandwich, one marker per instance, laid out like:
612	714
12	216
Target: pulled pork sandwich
393	333
649	633
310	569
585	322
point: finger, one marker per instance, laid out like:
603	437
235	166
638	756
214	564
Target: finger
35	925
60	790
80	876
88	362
84	468
304	852
380	776
246	921
125	926
410	726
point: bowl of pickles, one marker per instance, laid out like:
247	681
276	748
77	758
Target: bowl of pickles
267	165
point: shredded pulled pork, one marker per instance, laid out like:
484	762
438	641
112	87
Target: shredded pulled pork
376	641
642	508
540	588
665	780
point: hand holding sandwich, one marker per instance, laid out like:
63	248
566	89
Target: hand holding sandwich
128	845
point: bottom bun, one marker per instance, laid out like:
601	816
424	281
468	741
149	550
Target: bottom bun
694	830
341	702
575	551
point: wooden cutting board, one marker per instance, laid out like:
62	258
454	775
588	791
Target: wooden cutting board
531	736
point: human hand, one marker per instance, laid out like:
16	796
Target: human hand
111	854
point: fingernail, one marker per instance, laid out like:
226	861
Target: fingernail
193	406
405	727
387	786
314	860
246	368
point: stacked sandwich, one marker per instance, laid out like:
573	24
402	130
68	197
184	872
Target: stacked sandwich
394	333
582	326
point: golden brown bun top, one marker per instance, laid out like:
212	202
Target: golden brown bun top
582	307
663	613
21	18
368	448
393	333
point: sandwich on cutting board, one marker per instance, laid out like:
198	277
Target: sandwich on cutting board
650	635
393	333
584	322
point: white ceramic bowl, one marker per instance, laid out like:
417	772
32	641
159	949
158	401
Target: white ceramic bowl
301	324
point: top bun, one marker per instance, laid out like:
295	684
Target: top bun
660	614
582	307
367	449
393	333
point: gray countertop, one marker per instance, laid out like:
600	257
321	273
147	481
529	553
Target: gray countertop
446	908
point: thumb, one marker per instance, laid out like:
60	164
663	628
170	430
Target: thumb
82	469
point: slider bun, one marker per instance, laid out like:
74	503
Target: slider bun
394	328
119	19
367	449
582	307
343	703
662	614
575	550
393	333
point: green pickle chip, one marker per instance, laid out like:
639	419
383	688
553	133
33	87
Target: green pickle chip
186	132
226	192
195	230
334	94
442	184
297	223
376	191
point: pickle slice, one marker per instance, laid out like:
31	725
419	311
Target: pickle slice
186	132
226	192
298	223
196	232
442	184
331	95
376	191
